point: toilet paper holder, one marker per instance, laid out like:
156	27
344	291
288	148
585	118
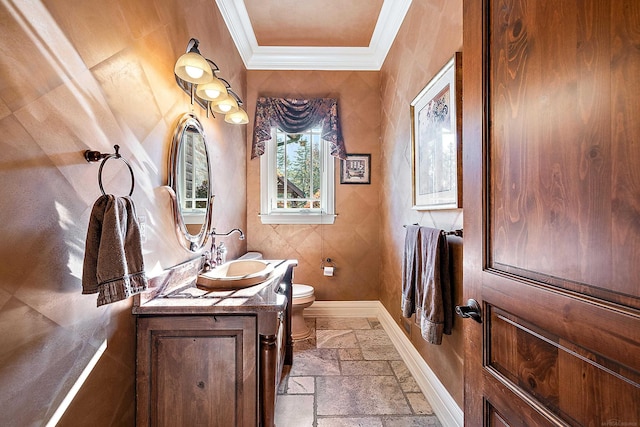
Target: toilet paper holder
328	267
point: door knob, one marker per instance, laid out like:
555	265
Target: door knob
472	310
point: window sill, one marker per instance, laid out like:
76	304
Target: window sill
193	218
297	218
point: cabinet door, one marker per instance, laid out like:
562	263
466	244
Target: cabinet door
197	370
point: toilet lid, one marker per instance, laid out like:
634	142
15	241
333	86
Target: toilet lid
301	291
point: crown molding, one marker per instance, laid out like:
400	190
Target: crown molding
257	57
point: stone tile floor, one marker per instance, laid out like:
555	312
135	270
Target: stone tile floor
348	374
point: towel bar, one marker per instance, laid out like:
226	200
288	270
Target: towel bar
447	233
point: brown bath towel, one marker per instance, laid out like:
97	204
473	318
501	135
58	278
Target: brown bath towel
113	263
410	269
433	294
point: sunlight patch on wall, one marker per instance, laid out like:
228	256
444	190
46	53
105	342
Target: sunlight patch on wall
42	41
57	415
43	35
75	244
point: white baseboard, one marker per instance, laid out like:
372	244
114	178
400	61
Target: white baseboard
443	405
343	309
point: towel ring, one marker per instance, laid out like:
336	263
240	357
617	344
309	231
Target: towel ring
94	156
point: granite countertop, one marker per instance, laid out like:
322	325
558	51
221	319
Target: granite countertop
181	295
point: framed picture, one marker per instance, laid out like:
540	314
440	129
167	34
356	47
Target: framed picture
356	169
436	140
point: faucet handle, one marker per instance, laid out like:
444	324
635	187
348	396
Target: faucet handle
207	261
221	254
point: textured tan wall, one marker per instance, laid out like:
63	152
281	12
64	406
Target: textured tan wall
353	241
430	34
79	75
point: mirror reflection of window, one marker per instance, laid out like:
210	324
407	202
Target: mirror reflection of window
194	174
190	183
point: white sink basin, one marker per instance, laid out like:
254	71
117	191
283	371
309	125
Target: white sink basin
236	274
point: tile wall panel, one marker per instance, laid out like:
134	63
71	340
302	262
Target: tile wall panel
80	75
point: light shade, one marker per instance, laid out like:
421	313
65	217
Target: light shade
225	105
193	68
238	117
212	90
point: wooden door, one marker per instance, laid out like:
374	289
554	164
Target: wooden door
551	160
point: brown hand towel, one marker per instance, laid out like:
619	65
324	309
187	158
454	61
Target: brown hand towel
433	294
113	262
410	269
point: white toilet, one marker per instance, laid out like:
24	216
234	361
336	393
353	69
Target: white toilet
303	297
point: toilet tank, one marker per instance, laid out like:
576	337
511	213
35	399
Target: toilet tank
252	255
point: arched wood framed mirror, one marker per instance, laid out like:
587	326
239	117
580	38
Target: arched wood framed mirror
190	183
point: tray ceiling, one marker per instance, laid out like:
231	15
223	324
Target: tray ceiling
313	34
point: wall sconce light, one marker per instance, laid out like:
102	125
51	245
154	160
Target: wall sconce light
192	66
196	75
230	107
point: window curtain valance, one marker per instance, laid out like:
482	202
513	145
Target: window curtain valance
295	116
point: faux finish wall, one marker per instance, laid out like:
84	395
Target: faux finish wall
79	75
430	34
353	241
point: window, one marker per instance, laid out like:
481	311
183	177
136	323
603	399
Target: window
297	179
297	140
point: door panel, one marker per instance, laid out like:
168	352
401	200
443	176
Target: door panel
570	381
189	385
552	211
495	419
561	146
607	329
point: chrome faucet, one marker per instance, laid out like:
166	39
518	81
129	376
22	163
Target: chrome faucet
213	233
214	257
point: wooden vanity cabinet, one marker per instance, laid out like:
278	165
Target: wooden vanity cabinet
197	370
205	362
